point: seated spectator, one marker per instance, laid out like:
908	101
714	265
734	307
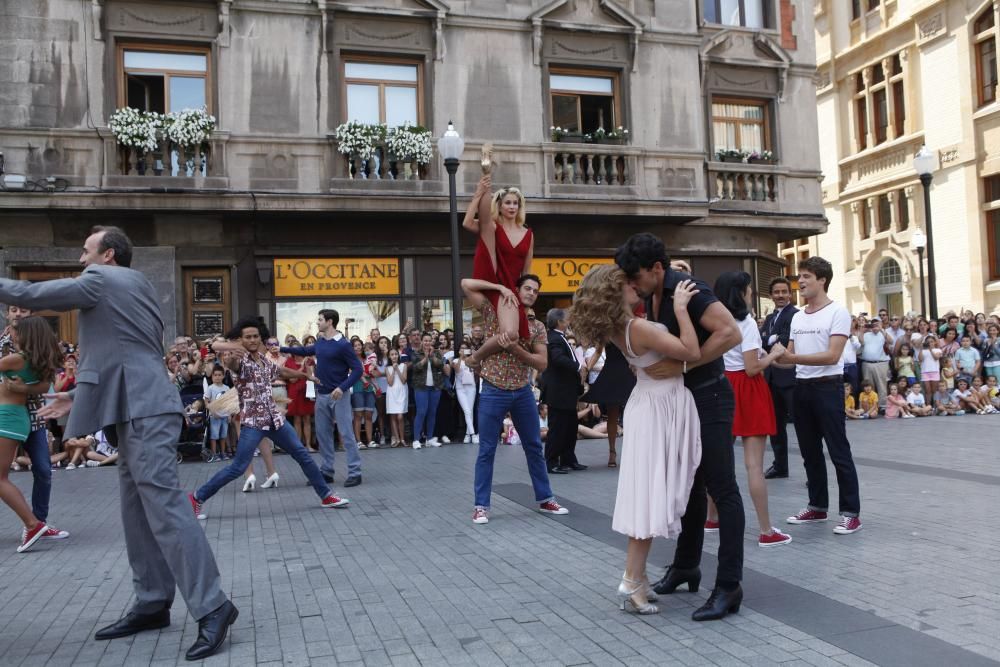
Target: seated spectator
868	400
992	391
849	409
944	403
983	391
895	404
510	436
66	379
948	372
103	453
969	400
75	452
915	399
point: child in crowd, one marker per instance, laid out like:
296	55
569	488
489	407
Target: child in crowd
868	401
980	389
218	427
543	419
849	409
948	372
895	405
915	399
992	391
905	372
510	436
930	365
396	398
969	400
968	361
944	403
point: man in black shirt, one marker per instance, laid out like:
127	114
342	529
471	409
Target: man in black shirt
644	260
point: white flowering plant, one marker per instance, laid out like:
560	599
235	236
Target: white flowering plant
357	138
410	142
619	132
556	132
760	156
189	127
133	128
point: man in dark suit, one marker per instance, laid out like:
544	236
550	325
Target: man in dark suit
780	378
562	386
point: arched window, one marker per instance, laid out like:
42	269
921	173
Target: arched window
889	287
985	35
889	273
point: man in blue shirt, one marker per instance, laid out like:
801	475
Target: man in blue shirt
337	368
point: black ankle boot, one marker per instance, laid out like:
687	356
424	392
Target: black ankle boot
674	577
719	604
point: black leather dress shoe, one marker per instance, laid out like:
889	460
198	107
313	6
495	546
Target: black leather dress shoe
578	466
212	631
328	478
719	604
132	623
558	470
352	481
676	576
774	473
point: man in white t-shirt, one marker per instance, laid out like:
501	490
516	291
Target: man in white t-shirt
816	347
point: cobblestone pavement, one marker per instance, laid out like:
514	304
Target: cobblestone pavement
404	578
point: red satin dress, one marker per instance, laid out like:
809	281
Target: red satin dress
510	266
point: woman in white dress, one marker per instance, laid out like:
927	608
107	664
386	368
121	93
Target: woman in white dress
396	398
661	448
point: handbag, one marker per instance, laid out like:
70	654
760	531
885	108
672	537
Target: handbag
310	390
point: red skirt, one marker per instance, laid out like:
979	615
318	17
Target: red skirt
754	413
299	405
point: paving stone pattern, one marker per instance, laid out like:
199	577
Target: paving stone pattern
403	577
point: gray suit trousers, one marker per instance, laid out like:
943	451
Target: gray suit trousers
166	546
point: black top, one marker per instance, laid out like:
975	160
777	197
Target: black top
696	308
615	382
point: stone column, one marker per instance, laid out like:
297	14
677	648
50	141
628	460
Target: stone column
890	131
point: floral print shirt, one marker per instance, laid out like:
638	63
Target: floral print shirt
253	384
504	370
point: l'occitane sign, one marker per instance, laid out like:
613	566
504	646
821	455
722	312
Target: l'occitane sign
336	276
563	274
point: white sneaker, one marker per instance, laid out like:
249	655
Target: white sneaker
416	444
433	442
372	445
445	439
908	416
69	466
362	445
92	464
475	438
467	439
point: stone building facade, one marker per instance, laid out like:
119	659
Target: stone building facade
893	76
269	217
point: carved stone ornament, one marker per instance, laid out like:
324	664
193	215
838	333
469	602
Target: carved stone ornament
931	26
97	18
581	17
224	7
166	19
387	29
760	51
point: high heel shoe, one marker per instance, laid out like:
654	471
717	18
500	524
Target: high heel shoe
719	604
248	485
626	589
271	481
675	576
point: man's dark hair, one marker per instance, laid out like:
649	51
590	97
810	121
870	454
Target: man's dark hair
820	268
330	315
115	239
641	251
780	280
250	322
729	288
554	317
529	276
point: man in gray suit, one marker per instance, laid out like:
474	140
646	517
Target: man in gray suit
122	387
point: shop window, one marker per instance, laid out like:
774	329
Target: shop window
383	91
207	305
162	78
985	33
739	124
746	13
861	119
902	209
884	221
436	315
356	317
583	101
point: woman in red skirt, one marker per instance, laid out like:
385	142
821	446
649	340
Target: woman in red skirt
300	408
754	417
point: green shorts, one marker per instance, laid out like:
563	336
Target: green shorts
14	422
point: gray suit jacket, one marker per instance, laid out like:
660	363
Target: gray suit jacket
121	376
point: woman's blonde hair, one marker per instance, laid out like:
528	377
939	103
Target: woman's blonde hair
498	197
599	305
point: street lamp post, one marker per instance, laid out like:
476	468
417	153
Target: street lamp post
924	165
919	241
451	146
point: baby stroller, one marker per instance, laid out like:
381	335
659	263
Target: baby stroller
195	430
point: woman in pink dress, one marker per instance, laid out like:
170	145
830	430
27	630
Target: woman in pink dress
661	448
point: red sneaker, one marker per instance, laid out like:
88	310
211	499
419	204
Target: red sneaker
711	526
552	507
199	513
775	539
333	501
52	533
480	516
847	525
807	516
29	537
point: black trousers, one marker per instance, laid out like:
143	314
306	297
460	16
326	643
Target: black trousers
717	476
784	413
819	418
560	445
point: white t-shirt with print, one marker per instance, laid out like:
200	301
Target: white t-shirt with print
811	333
751	341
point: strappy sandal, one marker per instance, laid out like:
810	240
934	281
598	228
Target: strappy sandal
612	460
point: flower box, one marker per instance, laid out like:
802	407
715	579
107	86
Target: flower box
760	160
731	158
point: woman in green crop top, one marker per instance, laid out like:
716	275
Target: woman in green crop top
36	362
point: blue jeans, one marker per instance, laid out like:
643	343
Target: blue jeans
250	438
427	408
37	449
494	404
329	412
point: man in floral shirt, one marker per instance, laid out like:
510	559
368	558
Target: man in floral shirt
506	389
259	416
37	444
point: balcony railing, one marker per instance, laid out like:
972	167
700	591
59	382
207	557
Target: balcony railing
383	166
166	160
592	164
740	182
168	165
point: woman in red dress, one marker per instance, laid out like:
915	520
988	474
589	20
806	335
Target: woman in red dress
503	254
300	408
